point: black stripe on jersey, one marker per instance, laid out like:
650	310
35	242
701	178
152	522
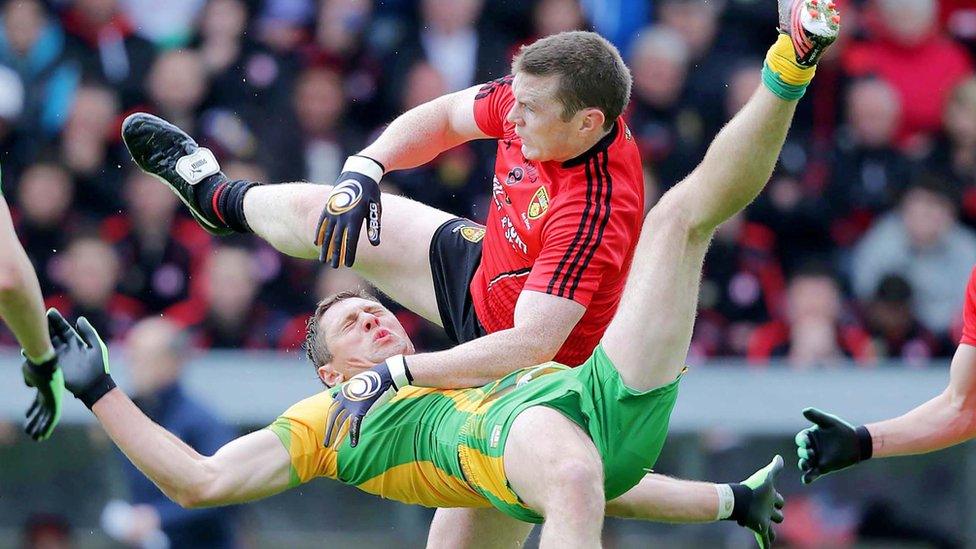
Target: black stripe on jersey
509	274
579	233
603	224
588	243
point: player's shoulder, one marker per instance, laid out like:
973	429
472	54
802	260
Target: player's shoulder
310	410
499	85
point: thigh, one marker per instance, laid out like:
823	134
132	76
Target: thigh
400	265
547	455
649	336
475	529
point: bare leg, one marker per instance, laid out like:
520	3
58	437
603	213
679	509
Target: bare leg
649	336
476	529
555	469
287	215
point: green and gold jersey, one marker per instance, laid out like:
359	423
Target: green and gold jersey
444	448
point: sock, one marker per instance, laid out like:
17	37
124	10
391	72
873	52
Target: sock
223	200
782	75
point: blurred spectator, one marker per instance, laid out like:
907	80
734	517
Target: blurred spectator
697	22
92	151
618	20
909	50
741	287
167	24
177	86
103	41
46	531
156	350
456	183
89	272
44	218
671	134
447	37
815	329
555	16
228	315
33	44
14	146
868	172
245	76
893	326
163	253
955	149
925	244
959	17
322	140
283	24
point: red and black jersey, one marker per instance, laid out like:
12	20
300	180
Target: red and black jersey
564	228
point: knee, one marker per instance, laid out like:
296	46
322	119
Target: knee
576	485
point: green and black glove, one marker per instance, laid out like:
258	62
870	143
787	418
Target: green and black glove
756	504
831	444
45	411
82	356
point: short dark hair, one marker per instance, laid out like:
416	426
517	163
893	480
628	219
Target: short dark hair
316	348
590	69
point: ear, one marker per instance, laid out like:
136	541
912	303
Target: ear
593	120
330	376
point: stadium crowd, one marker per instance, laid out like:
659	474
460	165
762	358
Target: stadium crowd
859	248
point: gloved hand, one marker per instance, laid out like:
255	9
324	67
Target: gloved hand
44	413
355	199
363	393
82	356
765	503
831	444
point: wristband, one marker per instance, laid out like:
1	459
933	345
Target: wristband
864	442
43	360
366	166
399	372
726	501
96	390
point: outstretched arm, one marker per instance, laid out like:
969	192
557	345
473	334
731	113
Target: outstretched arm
21	305
252	467
944	421
420	134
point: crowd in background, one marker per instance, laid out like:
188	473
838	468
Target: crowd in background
860	247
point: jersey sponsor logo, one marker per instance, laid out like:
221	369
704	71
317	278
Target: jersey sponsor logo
344	197
515	176
512	236
539	204
362	386
498	193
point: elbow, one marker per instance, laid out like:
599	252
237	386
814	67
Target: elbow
542	345
197	494
962	409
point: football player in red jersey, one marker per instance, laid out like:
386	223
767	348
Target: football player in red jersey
832	444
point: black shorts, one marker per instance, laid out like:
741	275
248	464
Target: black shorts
455	252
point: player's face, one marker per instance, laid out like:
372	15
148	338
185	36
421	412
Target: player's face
538	118
362	333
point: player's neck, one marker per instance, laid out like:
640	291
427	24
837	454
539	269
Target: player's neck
587	145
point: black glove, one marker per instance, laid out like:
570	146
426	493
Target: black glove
362	394
758	504
44	413
355	198
831	444
82	356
